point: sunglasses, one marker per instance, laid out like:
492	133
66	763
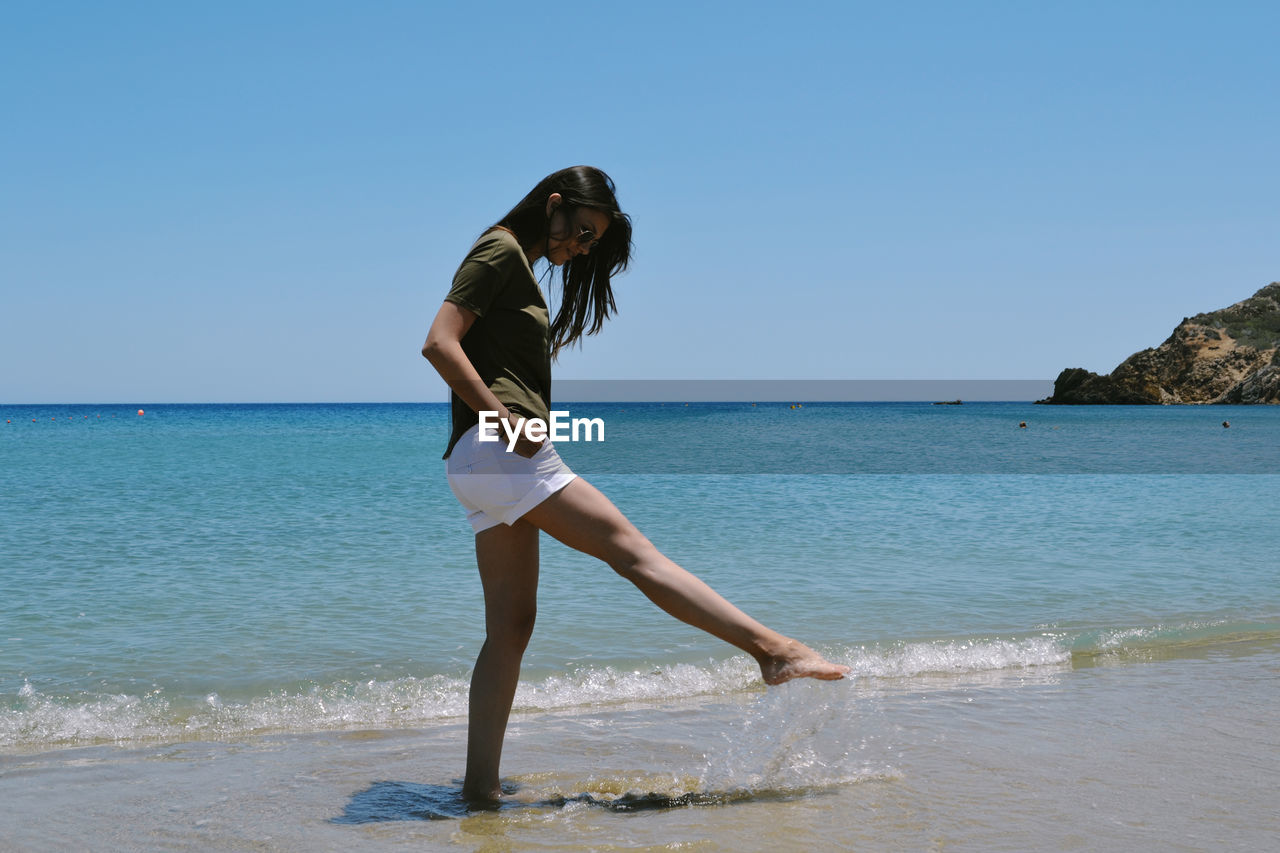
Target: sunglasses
587	237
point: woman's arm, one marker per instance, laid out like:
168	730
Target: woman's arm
443	348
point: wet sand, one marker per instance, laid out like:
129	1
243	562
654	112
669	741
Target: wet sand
1176	753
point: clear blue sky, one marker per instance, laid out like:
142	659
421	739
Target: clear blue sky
266	201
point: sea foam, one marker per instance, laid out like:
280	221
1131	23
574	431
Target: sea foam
33	718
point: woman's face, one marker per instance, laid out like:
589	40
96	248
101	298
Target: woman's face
573	233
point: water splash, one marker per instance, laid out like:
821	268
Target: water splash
801	737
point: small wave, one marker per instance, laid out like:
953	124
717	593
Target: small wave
34	718
1168	639
957	657
608	685
31	718
38	719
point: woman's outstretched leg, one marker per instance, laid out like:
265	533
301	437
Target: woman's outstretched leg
584	519
508	561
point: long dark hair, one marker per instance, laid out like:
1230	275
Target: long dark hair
587	299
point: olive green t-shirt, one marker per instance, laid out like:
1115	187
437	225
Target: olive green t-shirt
510	342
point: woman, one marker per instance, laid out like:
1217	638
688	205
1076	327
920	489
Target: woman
492	342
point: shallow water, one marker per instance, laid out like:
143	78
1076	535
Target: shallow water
1173	753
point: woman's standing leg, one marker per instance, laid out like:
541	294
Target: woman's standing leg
584	519
508	562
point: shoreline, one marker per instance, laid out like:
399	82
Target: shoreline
1078	756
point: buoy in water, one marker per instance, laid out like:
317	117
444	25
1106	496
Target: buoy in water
141	413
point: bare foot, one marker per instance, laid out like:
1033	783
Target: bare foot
799	661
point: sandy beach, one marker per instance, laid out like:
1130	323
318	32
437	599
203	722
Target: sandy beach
1177	753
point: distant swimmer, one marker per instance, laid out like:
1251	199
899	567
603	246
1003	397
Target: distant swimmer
1226	424
1022	424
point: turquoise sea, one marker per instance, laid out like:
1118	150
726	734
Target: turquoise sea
252	627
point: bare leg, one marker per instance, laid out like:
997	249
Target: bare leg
508	561
584	519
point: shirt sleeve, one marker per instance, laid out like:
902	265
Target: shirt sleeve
480	278
475	286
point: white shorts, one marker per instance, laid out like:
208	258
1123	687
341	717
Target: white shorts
497	486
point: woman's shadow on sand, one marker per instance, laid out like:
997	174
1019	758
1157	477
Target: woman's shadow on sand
384	801
387	801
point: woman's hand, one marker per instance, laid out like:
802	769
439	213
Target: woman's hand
525	446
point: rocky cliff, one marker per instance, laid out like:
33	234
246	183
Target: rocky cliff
1226	356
